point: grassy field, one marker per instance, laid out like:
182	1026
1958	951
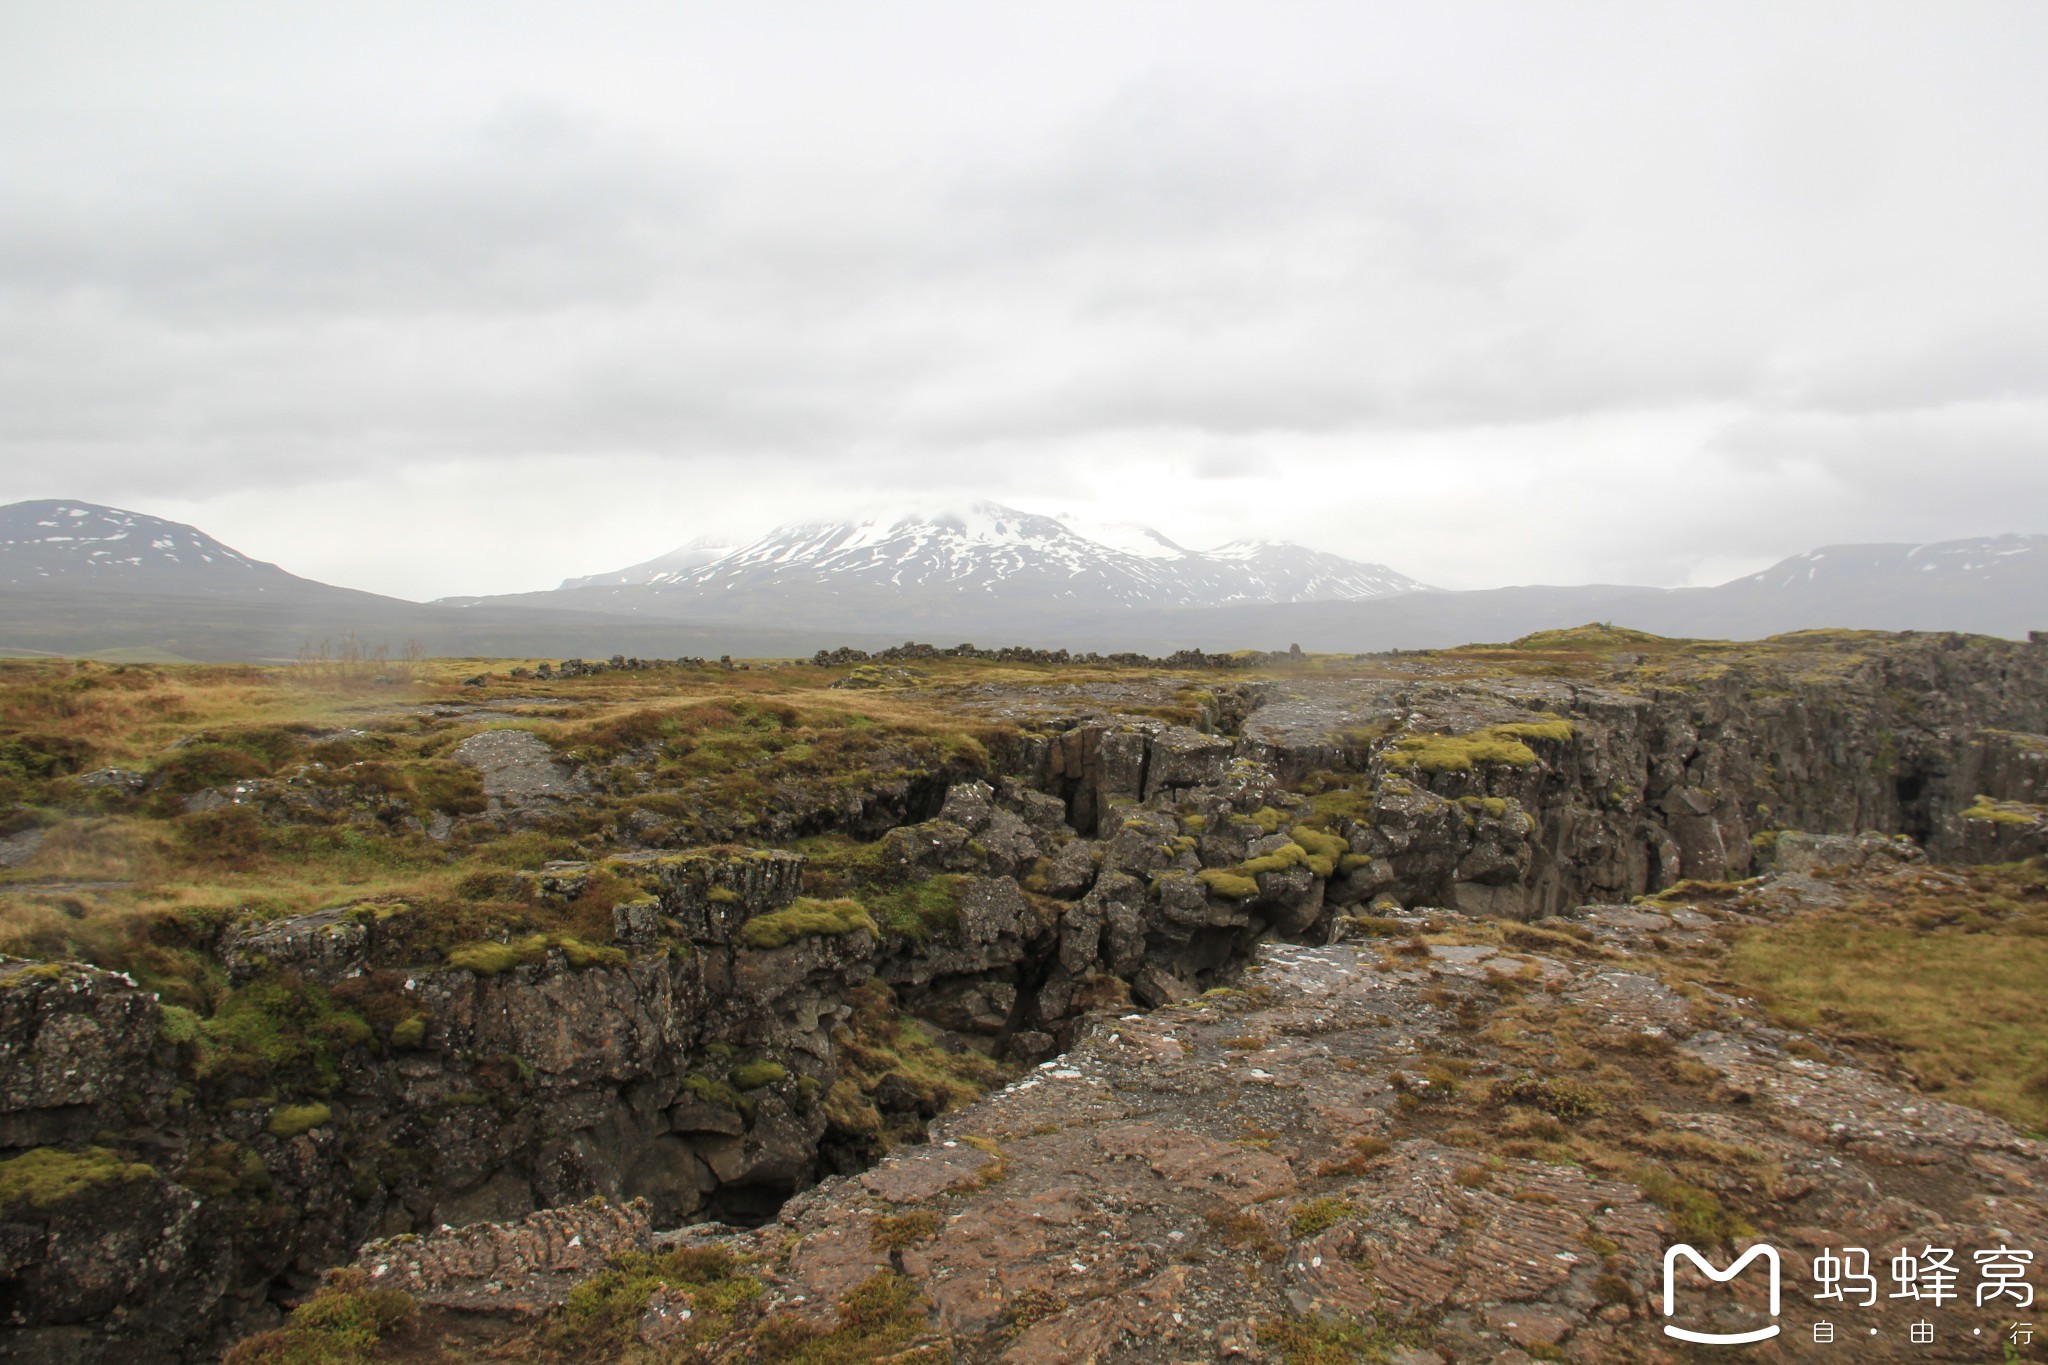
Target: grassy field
1945	984
130	879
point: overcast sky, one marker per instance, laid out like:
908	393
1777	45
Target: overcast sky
453	298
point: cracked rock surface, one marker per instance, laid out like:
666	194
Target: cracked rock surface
1366	1140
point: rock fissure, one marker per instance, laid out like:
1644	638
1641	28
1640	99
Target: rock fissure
757	1019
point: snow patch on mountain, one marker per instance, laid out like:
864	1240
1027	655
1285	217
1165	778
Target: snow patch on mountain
994	551
692	554
1980	559
52	539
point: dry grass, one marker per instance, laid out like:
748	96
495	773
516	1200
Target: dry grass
113	869
1944	984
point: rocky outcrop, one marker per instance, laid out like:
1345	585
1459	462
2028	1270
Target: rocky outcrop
1611	788
735	1040
521	1267
1362	1150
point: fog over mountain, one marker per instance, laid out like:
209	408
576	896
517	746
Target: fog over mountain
78	578
693	554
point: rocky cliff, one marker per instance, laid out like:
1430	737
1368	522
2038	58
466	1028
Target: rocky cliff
762	1017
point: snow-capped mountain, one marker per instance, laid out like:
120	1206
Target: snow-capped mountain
79	543
1995	584
1984	560
694	554
78	578
991	556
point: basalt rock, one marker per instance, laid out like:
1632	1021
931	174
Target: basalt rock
701	1064
519	771
1248	1175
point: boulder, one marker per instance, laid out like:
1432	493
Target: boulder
1181	757
1071	869
325	946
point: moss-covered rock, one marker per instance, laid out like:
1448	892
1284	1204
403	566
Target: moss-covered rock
46	1176
807	919
290	1120
1503	744
755	1075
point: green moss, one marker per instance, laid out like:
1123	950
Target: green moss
901	1231
1268	819
883	1314
409	1033
1457	753
281	1030
440	785
581	955
41	971
722	895
2025	743
807	919
1230	885
1343	803
45	1176
489	959
716	1092
1324	1341
1548	731
1589	637
2005	812
1279	860
1696	1214
1354	862
1461	753
601	1313
224	1168
1554	1095
921	910
1324	851
179	1025
879	1044
1313	1216
1378	926
196	767
344	1322
754	1075
290	1120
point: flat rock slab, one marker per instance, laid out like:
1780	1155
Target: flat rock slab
517	767
925	1173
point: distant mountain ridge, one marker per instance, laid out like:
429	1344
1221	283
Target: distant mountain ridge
54	539
78	578
1008	563
694	554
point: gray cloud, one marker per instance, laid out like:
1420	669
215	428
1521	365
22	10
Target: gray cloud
755	262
